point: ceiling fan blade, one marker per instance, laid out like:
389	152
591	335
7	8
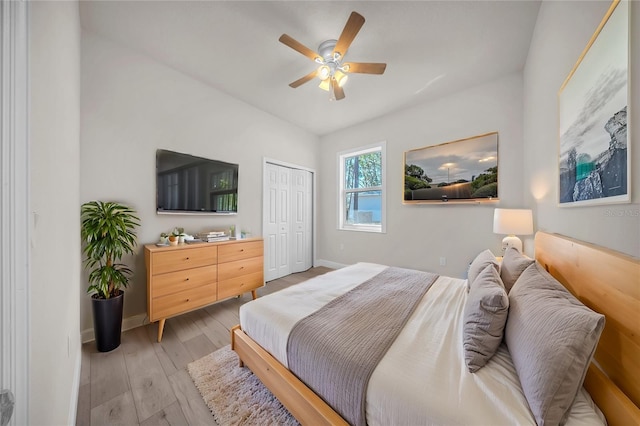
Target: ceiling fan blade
365	67
299	47
303	80
353	25
337	90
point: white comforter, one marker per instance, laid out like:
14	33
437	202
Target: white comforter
423	378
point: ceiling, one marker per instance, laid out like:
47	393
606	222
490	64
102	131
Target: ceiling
432	48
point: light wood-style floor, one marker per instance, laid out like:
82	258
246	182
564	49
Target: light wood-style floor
144	382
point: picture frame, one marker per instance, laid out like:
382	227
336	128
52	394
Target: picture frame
593	158
464	170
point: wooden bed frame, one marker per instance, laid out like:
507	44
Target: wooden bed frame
606	281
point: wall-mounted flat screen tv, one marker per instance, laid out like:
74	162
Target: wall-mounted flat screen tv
190	184
462	170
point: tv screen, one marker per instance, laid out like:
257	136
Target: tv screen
190	184
466	169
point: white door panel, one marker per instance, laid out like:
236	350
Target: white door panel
270	213
287	220
302	194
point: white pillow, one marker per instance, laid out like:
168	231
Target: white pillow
485	315
479	263
552	337
513	264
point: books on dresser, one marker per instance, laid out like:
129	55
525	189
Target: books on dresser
213	236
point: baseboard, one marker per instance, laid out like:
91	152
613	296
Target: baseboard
127	324
75	388
329	264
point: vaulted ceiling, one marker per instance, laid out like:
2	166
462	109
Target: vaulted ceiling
432	48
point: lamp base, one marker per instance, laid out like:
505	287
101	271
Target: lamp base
511	241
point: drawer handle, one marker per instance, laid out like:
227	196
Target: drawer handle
187	279
187	300
242	267
186	258
241	249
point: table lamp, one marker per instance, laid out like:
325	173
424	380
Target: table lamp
512	222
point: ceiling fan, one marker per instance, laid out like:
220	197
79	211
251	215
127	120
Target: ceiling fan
332	71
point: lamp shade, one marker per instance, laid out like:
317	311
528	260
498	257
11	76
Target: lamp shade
513	221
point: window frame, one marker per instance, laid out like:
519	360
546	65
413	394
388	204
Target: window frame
342	191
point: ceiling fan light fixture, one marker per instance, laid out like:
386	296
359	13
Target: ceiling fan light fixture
341	78
324	72
331	71
325	84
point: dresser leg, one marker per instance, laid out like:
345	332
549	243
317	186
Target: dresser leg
254	294
160	329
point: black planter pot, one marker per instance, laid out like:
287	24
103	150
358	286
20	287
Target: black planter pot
107	321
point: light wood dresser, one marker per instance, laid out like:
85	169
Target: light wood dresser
189	276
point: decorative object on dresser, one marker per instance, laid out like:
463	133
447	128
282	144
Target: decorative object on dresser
512	222
213	236
188	277
108	232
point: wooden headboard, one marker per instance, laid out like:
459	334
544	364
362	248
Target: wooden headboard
609	283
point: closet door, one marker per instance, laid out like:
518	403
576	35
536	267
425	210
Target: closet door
301	218
277	210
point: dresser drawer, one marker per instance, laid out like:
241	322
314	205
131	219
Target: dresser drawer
239	285
175	282
177	260
177	303
239	267
240	250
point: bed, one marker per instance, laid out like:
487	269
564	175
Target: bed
605	281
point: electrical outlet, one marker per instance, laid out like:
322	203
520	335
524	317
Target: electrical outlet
443	261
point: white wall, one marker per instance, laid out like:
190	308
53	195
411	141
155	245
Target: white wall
562	31
418	235
131	106
55	200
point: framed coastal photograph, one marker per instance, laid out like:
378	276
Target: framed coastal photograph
594	160
457	171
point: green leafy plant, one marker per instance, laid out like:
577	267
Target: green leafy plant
108	231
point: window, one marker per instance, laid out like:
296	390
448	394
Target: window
362	189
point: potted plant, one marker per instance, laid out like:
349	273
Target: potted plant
108	232
164	238
179	235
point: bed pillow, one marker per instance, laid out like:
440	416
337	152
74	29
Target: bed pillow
479	263
513	264
485	314
552	337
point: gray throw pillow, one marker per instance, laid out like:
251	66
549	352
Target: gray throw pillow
513	264
479	263
485	314
552	337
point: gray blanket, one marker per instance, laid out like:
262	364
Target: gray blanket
335	349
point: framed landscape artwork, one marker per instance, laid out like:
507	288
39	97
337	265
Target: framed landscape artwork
594	164
461	170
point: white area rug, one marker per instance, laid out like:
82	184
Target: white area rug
235	395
